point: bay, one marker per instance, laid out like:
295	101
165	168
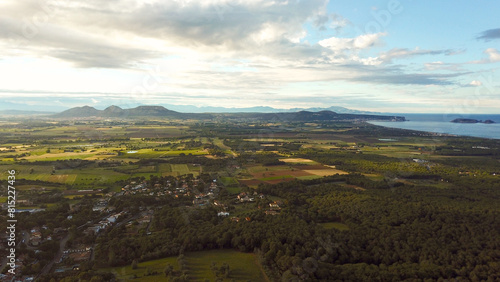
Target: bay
441	123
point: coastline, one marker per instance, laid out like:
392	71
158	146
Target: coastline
443	128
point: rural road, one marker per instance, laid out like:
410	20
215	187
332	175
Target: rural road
57	257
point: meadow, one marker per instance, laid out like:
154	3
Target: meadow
243	267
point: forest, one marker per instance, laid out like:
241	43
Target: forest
326	201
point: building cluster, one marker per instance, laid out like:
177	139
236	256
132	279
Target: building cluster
103	224
208	196
274	208
77	255
35	236
178	189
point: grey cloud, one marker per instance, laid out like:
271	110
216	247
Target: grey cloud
81	49
409	79
489	34
401	53
81	32
321	21
193	23
443	66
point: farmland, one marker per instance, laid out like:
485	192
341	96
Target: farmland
250	200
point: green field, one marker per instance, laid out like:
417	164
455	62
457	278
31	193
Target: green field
126	273
150	153
309	177
179	169
276	177
233	190
229	181
243	267
220	143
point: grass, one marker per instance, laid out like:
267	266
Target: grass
126	273
59	156
178	169
229	181
220	143
325	172
261	168
298	161
276	177
149	153
243	267
309	177
336	225
233	190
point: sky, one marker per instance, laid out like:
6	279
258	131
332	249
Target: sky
386	56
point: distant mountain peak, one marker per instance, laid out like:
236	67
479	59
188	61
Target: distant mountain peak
113	108
115	111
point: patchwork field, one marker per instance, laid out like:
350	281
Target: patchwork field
296	168
179	169
298	161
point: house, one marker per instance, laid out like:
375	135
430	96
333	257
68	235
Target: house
144	220
274	206
243	197
24	202
92	230
200	202
272	212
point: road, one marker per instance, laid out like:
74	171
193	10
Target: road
57	257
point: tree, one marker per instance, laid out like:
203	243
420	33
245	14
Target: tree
134	264
168	269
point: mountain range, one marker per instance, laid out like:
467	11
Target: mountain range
7	108
160	111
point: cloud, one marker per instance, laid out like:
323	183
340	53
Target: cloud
363	41
95	33
210	51
493	57
409	79
490	34
402	53
493	54
439	65
475	83
83	49
333	21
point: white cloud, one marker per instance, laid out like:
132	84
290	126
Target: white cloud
202	49
493	54
493	57
363	41
475	83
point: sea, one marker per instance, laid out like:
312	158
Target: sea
441	123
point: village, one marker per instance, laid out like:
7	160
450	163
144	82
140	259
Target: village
103	215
